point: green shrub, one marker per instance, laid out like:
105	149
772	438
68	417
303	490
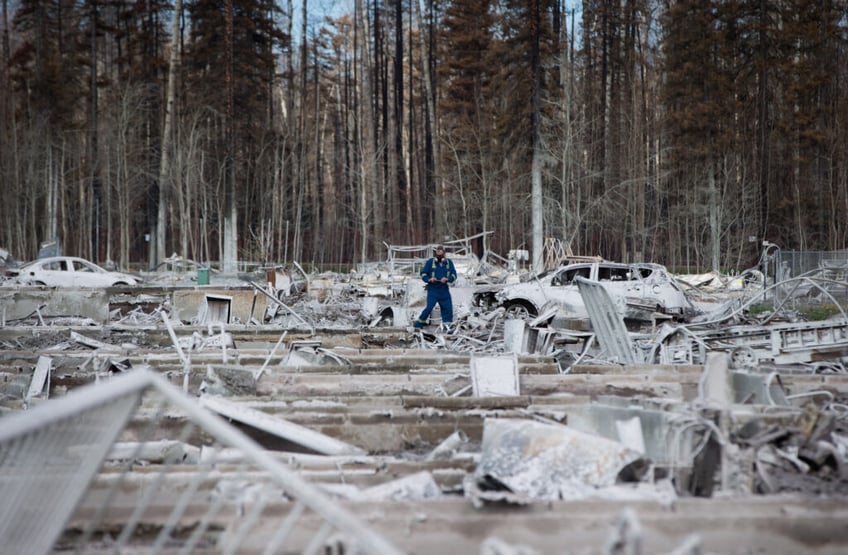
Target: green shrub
756	309
816	312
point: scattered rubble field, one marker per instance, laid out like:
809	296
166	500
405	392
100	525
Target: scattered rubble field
300	413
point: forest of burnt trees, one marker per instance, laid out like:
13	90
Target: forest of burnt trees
682	132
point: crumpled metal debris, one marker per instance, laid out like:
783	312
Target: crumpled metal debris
449	446
415	487
547	461
809	455
310	353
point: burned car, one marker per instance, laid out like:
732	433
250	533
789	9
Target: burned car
640	290
69	271
8	265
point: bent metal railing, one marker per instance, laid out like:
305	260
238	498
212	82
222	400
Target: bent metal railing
66	484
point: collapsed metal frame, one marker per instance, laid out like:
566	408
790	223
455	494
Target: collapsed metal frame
747	345
50	458
777	343
409	258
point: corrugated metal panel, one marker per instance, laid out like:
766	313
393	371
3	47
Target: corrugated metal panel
607	323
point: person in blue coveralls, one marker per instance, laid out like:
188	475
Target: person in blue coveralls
438	273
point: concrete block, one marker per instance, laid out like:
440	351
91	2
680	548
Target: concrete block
20	302
187	302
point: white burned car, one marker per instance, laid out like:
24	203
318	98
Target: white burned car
639	290
69	271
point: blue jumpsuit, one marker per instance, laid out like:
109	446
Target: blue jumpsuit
437	292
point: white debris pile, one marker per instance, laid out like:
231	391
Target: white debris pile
810	455
543	461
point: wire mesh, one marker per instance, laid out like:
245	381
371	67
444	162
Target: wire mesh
133	466
45	472
788	264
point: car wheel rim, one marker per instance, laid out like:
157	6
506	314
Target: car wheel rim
518	312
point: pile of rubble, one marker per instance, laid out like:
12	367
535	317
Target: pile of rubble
289	411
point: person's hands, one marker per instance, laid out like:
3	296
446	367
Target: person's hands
432	280
444	280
